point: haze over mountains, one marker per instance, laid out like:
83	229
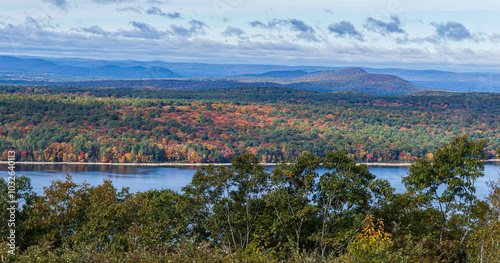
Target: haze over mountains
102	73
12	64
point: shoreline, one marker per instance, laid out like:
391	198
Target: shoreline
199	164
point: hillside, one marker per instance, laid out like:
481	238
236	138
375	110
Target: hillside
286	74
214	125
332	74
24	69
42	71
327	81
191	69
445	80
356	79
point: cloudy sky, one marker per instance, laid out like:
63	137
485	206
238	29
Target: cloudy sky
439	34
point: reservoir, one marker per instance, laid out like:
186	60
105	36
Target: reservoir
143	178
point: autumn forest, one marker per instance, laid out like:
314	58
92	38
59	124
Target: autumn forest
129	125
243	213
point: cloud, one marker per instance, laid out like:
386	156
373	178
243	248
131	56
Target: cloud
257	47
106	2
180	31
197	23
300	26
42	22
28	39
257	23
307	35
136	10
328	11
157	11
449	31
233	31
305	31
139	31
269	25
197	28
384	28
495	37
452	31
95	30
35	36
345	29
143	30
63	4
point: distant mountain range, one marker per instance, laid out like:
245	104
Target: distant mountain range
346	80
285	74
41	66
127	73
449	81
356	79
332	74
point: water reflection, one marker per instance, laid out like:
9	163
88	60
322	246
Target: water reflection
143	178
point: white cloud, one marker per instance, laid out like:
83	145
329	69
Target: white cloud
142	41
316	31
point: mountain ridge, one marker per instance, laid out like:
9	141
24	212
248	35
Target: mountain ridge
13	64
57	70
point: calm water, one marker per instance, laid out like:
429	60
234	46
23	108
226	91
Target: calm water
141	179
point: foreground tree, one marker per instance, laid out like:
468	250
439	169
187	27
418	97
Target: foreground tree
293	214
347	193
444	186
292	205
483	243
228	200
292	190
59	213
25	196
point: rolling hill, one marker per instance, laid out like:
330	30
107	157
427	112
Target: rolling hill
285	74
356	79
12	65
25	69
332	74
34	71
445	80
327	81
129	73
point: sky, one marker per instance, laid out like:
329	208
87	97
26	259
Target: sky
454	35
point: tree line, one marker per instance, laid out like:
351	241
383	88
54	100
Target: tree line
242	213
80	127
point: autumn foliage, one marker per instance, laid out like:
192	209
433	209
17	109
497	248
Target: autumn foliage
275	124
292	214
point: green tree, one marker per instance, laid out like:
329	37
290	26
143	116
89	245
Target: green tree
345	196
108	216
25	196
163	217
293	187
59	213
484	243
229	200
446	183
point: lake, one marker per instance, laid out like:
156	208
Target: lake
143	178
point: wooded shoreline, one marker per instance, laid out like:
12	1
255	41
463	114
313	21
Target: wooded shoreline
199	164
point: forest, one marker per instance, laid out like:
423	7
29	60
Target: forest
138	125
242	213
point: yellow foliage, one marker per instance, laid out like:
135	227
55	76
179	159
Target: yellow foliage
373	244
